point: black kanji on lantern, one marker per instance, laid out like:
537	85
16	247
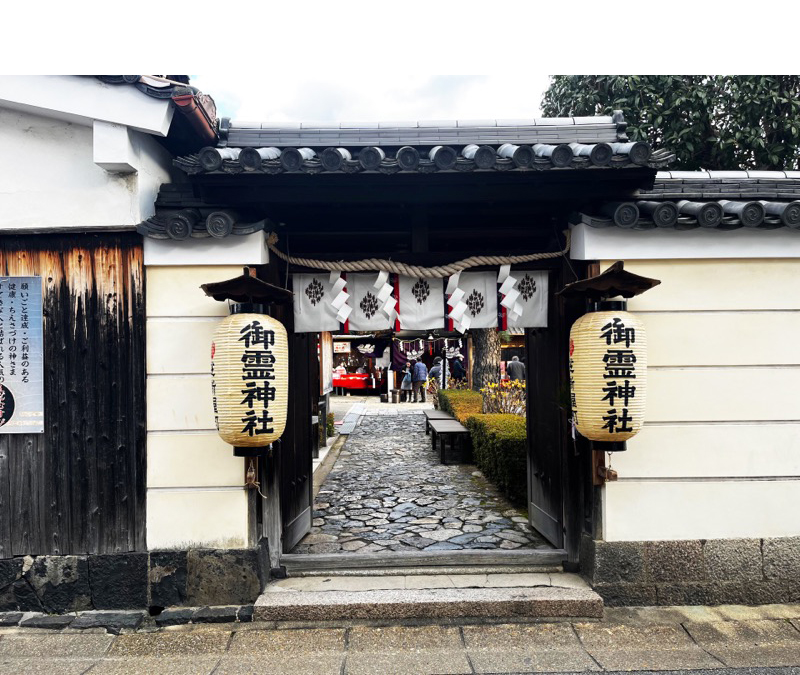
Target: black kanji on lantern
257	423
620	363
315	291
527	287
254	334
421	290
624	392
258	365
617	424
615	332
475	302
257	392
369	305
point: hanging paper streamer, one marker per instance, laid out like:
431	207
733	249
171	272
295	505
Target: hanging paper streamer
420	303
387	301
458	308
509	294
340	297
313	303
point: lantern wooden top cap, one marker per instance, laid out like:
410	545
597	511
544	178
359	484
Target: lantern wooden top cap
613	282
246	288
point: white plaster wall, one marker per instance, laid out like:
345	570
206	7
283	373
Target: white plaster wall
48	178
195	493
719	454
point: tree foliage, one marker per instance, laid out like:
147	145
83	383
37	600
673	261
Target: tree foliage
708	121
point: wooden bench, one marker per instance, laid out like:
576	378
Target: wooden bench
451	440
435	415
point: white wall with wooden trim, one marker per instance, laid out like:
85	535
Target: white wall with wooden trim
719	455
195	494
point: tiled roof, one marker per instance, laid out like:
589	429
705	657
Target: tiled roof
723	200
424	147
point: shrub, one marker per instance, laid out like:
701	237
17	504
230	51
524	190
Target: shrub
500	451
331	429
461	403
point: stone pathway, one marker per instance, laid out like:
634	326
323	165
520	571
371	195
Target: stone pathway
388	492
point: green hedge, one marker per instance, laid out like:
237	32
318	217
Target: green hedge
461	403
500	451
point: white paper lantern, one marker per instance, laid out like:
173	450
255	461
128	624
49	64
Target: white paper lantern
608	375
250	379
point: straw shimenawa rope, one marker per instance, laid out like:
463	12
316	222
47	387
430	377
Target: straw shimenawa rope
439	272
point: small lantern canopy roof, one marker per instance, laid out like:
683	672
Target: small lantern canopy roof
613	282
246	288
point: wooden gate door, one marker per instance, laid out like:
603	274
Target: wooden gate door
547	420
559	485
296	486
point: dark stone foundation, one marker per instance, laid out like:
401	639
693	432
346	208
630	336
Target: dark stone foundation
693	572
156	579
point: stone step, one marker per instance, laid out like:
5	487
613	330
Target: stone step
442	596
325	563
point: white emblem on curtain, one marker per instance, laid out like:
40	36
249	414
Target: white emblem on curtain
313	308
530	301
473	300
420	306
371	302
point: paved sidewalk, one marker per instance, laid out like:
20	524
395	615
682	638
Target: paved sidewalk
389	492
661	639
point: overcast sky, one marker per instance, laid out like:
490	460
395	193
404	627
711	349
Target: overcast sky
373	96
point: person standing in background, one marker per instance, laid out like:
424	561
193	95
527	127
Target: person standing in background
459	373
419	375
436	371
405	384
516	369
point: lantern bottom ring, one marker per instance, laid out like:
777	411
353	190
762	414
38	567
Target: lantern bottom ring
609	446
250	452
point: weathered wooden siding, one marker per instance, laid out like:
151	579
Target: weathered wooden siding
79	486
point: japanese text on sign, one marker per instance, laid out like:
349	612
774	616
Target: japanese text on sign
21	361
258	374
620	369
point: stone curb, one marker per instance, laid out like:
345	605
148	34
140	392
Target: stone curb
127	621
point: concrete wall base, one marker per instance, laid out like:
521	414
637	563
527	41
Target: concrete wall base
693	572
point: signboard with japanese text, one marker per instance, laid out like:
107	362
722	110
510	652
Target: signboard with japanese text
21	361
341	347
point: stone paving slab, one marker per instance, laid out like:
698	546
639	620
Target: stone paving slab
388	492
312	663
659	647
171	644
403	638
195	665
287	641
749	643
408	663
52	645
44	666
